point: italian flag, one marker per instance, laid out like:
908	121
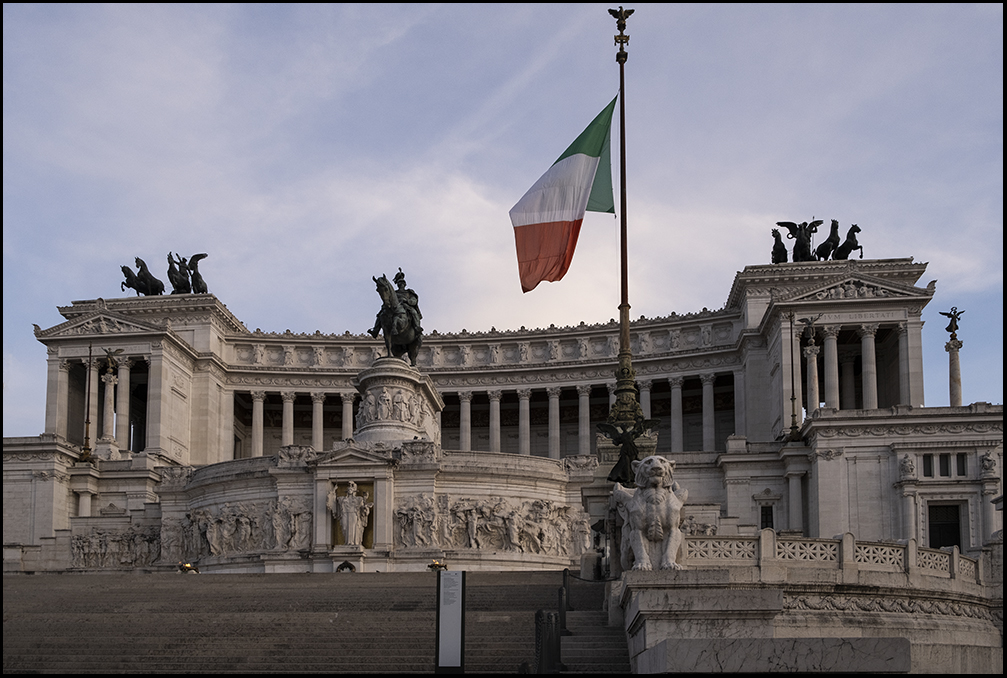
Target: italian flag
547	219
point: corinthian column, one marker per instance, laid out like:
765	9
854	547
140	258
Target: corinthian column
954	372
287	433
317	421
811	356
677	433
831	357
645	385
258	398
524	421
122	405
869	366
465	420
494	397
554	451
347	401
108	414
709	434
584	419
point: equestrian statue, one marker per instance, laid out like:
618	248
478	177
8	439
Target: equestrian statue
399	318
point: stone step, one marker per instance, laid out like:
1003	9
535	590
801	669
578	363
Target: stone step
347	623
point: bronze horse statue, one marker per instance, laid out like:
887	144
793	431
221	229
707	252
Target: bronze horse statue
850	244
143	281
825	250
401	335
779	249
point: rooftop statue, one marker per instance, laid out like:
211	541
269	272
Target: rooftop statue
198	284
399	317
954	314
850	244
779	249
801	234
142	281
825	250
179	277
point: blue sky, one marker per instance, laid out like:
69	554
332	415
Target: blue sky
306	148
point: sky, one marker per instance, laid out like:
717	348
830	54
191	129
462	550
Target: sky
306	148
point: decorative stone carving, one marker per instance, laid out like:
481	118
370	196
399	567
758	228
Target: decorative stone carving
907	467
174	478
125	548
651	515
296	455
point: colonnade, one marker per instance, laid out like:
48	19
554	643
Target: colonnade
585	429
113	410
287	426
840	384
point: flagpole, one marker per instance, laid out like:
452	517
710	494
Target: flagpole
626	411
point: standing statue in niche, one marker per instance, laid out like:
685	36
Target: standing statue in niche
352	511
399	318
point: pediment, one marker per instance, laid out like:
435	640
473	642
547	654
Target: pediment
352	453
858	288
101	322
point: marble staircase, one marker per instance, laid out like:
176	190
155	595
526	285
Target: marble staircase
279	623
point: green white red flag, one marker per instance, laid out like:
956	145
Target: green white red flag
547	219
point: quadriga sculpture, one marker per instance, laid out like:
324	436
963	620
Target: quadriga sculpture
651	516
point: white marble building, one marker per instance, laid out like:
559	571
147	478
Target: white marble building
206	432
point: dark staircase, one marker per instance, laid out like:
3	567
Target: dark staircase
288	623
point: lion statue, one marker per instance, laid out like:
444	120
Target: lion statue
651	516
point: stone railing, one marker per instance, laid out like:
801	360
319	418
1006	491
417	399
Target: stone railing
767	550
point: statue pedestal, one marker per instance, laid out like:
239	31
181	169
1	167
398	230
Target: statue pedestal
398	403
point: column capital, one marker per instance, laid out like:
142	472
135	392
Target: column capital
953	345
465	396
644	384
707	378
495	395
524	393
347	396
318	397
830	331
584	390
258	396
611	388
867	330
676	382
110	379
554	392
126	364
810	351
65	364
288	396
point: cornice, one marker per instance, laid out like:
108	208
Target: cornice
804	275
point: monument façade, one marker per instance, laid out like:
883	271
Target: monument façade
236	450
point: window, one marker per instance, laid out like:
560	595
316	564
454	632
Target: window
945	465
962	464
928	466
944	522
767	517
